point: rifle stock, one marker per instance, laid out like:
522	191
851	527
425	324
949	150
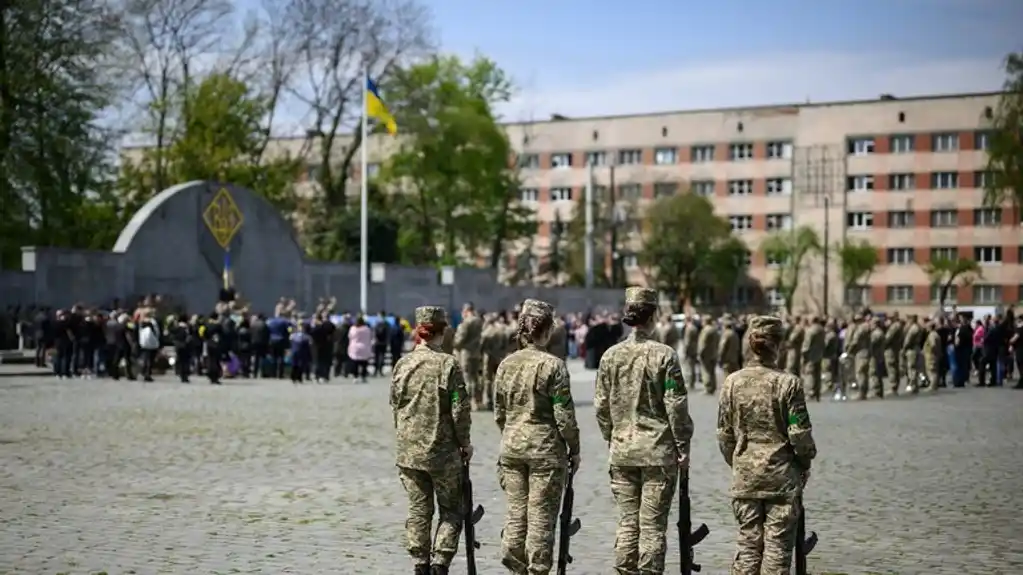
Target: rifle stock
804	544
567	526
471	516
687	538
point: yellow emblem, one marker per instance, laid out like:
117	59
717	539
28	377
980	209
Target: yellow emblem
223	218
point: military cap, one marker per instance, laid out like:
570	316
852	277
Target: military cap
430	314
535	307
640	295
766	325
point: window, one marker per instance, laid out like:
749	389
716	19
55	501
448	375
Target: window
599	193
665	156
372	170
628	157
596	158
779	187
779	150
561	160
741	295
775	298
665	189
740	187
944	142
900	294
951	295
859	220
901	182
529	195
779	222
981	179
630	261
857	295
900	219
944	180
740	223
860	183
702	153
944	253
703	188
982	140
740	152
944	218
632	227
775	260
529	161
988	254
901	144
984	293
630	191
861	146
747	259
987	217
900	256
561	194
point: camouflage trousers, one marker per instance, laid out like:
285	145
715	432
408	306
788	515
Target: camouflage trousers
709	375
933	372
689	369
861	367
472	366
533	490
422	487
643	496
812	379
767	534
793	364
894	369
489	372
911	365
828	374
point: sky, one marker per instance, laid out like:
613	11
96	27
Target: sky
604	57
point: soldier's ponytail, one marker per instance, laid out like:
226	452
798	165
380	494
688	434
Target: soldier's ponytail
763	344
637	314
425	332
531	327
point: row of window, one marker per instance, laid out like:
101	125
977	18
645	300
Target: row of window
982	217
663	156
903	294
905	182
981	254
905	143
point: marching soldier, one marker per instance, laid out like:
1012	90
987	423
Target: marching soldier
730	348
933	350
911	344
829	361
494	344
690	349
707	351
643	413
811	354
535	413
667	333
876	363
762	402
893	341
467	347
431	409
794	347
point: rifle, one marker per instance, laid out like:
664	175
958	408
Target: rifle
804	544
472	516
567	526
687	538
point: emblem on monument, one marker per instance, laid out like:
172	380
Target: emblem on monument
223	218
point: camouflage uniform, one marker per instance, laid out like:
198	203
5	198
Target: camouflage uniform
859	349
765	436
534	410
558	344
794	348
690	355
643	413
911	344
467	345
431	416
811	355
729	349
892	352
448	343
494	344
667	334
707	351
932	352
876	363
829	361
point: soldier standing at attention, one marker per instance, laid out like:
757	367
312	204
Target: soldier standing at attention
765	436
876	362
533	409
667	333
794	347
494	344
730	348
467	346
431	417
892	352
690	347
933	350
911	344
558	344
829	361
812	353
859	349
707	350
643	413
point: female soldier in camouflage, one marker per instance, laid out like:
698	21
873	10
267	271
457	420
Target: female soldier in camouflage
431	416
764	433
539	436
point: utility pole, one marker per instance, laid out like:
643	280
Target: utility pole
614	227
827	249
588	253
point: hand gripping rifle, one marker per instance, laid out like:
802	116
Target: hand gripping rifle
687	538
567	526
804	544
471	516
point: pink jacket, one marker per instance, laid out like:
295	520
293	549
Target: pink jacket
360	343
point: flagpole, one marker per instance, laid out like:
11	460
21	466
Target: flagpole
364	203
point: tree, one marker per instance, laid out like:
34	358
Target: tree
945	272
857	259
619	216
1005	152
688	248
451	172
790	248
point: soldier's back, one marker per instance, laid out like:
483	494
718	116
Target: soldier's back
525	405
425	389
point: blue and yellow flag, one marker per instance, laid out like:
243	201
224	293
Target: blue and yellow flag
375	107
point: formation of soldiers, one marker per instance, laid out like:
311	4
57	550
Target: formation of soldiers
641	405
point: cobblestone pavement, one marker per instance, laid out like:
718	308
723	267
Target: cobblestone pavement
266	477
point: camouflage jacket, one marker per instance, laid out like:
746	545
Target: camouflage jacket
468	336
641	403
764	432
431	409
558	343
533	407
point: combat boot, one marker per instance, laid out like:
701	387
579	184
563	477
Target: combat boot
439	570
423	569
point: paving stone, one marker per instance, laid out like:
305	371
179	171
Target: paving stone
268	477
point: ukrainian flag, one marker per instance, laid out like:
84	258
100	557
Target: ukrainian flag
375	107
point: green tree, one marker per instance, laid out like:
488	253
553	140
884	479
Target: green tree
688	248
1005	152
791	249
857	260
946	272
458	192
607	215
